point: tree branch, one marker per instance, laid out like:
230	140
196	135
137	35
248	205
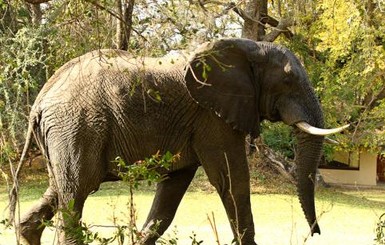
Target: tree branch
101	7
243	14
372	100
37	1
280	26
284	167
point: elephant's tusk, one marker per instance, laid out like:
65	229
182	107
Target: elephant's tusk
319	131
331	141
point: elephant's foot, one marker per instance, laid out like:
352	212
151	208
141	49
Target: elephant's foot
29	234
69	241
147	241
70	233
149	234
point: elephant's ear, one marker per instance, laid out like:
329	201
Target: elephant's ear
222	78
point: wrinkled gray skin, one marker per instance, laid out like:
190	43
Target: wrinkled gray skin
101	105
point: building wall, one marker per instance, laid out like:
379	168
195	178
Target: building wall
366	175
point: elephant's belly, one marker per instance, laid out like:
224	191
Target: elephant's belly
148	146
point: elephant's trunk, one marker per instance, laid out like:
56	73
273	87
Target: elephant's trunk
309	150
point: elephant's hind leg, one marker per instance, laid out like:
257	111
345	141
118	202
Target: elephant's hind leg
31	227
70	221
169	193
72	196
77	168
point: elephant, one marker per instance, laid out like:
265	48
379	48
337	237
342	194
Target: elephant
102	105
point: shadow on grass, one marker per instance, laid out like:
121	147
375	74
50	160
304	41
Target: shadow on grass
122	188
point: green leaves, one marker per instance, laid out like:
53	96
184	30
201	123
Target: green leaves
278	137
342	46
154	95
149	169
206	69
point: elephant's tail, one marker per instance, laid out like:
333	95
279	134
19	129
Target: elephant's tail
14	192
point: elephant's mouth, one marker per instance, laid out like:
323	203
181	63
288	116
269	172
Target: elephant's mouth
275	117
272	112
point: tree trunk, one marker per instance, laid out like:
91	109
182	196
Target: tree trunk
36	14
119	25
253	27
124	23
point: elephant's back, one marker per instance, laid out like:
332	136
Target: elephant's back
107	71
109	88
78	75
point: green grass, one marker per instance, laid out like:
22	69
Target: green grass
346	216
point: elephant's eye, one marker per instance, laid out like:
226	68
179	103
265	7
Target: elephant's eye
287	80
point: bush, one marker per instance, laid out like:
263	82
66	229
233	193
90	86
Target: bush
23	70
278	137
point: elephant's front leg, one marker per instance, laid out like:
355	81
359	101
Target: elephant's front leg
232	183
169	193
238	208
223	157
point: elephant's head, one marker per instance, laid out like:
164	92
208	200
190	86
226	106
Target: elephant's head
245	82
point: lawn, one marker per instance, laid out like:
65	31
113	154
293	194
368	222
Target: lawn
346	216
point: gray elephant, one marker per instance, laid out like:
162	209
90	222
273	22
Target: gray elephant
100	106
